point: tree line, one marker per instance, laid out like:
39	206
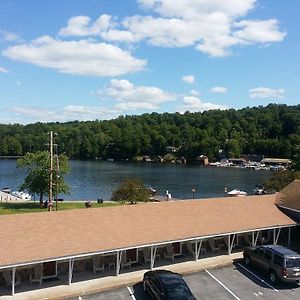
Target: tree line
273	130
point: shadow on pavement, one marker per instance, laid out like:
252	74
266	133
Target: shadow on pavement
240	266
139	293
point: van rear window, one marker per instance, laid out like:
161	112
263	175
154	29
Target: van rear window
293	262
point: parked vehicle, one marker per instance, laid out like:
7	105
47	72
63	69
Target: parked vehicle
278	262
163	284
259	190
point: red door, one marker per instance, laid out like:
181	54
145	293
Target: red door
177	249
49	269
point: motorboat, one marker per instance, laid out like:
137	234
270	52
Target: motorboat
237	193
151	189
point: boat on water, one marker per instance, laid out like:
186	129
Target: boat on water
22	195
151	189
237	193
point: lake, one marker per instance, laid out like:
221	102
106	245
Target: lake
91	180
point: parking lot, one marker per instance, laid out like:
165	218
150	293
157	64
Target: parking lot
233	282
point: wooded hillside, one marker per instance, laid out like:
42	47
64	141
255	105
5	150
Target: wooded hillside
273	130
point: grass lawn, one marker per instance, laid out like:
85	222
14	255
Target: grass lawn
7	208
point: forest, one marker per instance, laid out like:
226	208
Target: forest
272	131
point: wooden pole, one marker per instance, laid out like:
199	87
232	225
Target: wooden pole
51	172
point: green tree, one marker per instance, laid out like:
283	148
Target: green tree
280	180
37	166
131	190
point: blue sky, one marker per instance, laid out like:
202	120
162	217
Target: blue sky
64	60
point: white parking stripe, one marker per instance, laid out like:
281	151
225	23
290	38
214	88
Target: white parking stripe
223	285
131	293
261	280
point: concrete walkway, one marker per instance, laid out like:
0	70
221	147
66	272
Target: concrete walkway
127	279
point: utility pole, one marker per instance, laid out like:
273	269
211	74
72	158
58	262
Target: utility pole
57	176
51	172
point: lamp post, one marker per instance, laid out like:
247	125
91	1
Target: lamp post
193	191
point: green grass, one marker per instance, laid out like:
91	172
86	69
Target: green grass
7	208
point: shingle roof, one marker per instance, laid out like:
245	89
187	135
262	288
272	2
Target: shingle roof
289	197
39	236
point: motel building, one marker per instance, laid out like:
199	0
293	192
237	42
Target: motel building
84	244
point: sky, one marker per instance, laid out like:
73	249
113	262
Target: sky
66	60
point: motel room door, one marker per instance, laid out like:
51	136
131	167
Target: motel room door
49	269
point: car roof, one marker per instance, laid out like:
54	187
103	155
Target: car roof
161	273
282	250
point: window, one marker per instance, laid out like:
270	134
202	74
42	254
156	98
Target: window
259	251
158	286
278	260
293	263
268	255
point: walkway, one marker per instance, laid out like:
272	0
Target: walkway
85	287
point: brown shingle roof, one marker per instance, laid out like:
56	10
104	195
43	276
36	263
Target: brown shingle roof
289	197
40	236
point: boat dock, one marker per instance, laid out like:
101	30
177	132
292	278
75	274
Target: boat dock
6	197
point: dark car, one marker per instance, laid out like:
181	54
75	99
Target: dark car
276	261
163	284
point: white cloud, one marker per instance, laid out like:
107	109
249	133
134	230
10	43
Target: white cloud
211	26
118	35
259	31
218	89
193	104
8	36
126	106
194	93
3	70
81	26
188	79
64	114
263	92
131	97
191	9
83	57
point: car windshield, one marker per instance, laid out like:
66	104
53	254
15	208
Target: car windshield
293	263
176	288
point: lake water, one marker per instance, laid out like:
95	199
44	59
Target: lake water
90	180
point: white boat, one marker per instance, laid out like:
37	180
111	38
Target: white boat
237	193
22	195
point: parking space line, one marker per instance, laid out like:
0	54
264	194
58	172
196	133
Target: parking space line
223	285
131	292
260	279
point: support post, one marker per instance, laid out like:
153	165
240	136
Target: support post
13	280
276	236
71	266
153	255
197	253
228	245
232	242
289	236
253	239
118	266
256	238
